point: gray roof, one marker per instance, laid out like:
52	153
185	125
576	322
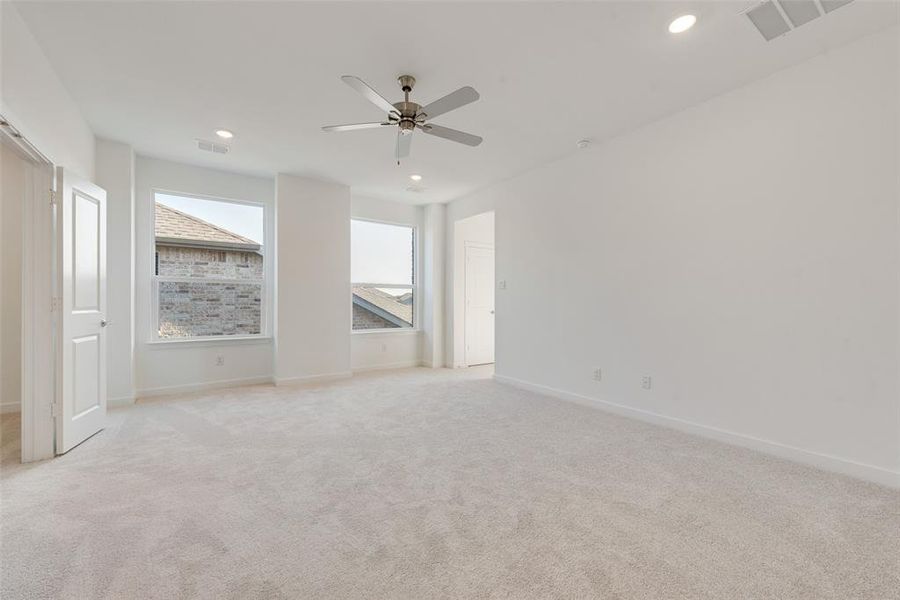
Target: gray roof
174	227
384	305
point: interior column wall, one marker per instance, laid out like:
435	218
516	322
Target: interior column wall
434	278
115	173
313	304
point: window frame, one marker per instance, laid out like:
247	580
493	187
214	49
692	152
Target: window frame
265	283
414	286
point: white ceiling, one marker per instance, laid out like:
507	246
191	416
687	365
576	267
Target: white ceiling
160	74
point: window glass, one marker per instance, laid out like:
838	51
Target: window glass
383	275
210	275
381	253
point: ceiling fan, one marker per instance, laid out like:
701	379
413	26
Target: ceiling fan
408	116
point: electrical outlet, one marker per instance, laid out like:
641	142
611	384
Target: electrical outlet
598	374
220	361
646	382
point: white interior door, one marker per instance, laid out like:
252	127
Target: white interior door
81	395
479	305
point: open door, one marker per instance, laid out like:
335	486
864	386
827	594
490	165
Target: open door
479	305
81	341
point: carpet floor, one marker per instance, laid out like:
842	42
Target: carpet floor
428	484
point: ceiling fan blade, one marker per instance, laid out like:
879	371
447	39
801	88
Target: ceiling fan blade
368	93
403	144
452	101
355	126
454	135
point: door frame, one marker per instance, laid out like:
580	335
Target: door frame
465	295
38	392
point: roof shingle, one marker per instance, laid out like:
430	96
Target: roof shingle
175	225
385	302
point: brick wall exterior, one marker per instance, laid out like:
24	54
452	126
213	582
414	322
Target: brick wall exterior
196	309
183	261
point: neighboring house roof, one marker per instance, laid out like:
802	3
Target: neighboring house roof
176	228
384	305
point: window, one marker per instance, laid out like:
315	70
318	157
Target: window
209	277
382	271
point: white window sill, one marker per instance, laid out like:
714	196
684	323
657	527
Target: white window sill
391	331
200	342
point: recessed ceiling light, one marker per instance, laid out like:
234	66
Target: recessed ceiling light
416	177
682	23
224	134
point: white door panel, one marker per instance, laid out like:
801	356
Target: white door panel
82	287
86	252
479	305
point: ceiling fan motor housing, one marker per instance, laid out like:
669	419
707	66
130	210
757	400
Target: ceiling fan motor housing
408	110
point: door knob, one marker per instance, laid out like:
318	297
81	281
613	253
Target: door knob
103	322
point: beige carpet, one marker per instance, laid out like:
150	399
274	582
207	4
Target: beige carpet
429	484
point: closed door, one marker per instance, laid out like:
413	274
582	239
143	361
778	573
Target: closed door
81	398
479	305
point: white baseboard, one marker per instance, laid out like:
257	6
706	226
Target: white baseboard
10	407
199	387
120	401
312	378
822	461
406	364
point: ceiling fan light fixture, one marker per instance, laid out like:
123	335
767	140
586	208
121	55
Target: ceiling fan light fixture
682	23
416	177
408	116
225	134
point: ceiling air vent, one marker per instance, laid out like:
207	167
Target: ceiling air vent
768	20
800	11
208	146
830	5
774	18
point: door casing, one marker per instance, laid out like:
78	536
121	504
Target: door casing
38	256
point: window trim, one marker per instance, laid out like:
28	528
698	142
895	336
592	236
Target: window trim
414	286
265	282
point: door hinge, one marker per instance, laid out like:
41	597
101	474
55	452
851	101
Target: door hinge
54	409
55	304
52	197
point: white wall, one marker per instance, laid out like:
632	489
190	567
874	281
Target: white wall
743	253
388	349
13	171
115	173
34	100
434	259
174	366
478	229
313	280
